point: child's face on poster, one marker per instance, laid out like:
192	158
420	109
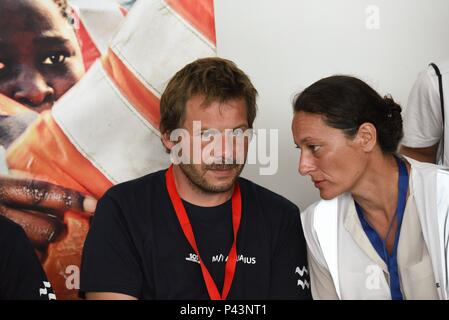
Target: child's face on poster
40	58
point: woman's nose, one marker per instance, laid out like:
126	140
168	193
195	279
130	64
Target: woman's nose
305	164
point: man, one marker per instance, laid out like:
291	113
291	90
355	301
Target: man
21	274
425	126
197	230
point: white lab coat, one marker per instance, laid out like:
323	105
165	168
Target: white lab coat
333	247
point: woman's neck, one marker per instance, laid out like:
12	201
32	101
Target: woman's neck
376	192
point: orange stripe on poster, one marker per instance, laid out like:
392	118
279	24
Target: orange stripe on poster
143	100
199	13
44	151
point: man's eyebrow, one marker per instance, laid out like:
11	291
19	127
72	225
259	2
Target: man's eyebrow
243	125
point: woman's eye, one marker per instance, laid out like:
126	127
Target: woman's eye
54	59
314	147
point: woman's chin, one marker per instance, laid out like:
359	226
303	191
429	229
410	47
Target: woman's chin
328	194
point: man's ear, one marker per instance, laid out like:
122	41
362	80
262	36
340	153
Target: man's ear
168	144
367	136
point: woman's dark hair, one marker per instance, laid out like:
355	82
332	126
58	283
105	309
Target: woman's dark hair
346	102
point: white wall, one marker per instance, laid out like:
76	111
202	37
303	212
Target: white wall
285	45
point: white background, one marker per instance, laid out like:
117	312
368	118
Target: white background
286	45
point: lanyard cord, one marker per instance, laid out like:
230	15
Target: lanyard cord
186	227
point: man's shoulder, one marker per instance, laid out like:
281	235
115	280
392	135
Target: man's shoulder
131	205
267	198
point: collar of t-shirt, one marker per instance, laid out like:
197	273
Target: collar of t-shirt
203	214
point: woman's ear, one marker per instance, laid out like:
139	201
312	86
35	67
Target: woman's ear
367	136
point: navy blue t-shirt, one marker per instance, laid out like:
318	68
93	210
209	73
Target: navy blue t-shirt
136	246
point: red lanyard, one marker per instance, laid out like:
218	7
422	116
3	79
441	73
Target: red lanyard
184	221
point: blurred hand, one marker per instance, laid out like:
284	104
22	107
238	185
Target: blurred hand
39	207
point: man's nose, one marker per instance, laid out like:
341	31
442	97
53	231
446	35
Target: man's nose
224	147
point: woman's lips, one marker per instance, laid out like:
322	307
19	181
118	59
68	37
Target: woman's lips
318	183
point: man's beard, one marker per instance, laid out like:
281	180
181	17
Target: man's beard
197	179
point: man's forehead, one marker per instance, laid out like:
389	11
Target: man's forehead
216	112
202	104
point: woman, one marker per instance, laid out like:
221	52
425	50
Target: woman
381	230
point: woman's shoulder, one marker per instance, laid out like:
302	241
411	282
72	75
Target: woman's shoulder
424	166
424	173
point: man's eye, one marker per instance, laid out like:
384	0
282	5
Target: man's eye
237	132
208	134
54	59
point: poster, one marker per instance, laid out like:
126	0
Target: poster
58	159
